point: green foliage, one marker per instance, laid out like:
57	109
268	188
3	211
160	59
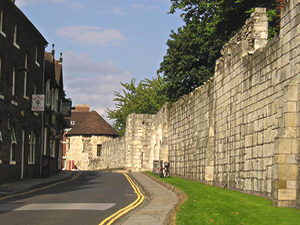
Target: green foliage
146	97
213	205
194	48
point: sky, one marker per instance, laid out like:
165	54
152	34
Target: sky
104	42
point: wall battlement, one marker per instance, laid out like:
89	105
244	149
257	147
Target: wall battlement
240	130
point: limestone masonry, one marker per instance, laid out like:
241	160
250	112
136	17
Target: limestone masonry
241	130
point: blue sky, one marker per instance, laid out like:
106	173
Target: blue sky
104	42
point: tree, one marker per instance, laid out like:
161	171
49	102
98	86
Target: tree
194	48
147	97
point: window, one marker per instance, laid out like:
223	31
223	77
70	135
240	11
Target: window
45	141
48	93
0	75
25	77
34	88
1	140
52	148
99	149
36	56
56	101
32	143
2	23
53	99
13	144
16	37
72	122
13	86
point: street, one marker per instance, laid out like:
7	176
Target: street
85	201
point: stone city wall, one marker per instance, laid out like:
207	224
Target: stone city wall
113	154
241	129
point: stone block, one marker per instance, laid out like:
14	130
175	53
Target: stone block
288	172
290	119
291	159
283	146
280	159
295	145
291	92
209	173
248	140
288	132
290	106
286	194
291	184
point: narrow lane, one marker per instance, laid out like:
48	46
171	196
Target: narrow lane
85	201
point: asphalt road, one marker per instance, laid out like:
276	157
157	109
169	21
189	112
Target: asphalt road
85	201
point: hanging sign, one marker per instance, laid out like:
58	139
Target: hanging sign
66	107
38	102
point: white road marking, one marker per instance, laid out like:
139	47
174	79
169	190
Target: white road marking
56	206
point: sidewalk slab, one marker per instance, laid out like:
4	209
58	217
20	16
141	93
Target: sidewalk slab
25	185
156	211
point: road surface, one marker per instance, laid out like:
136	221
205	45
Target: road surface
85	201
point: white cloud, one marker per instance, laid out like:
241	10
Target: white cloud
22	3
91	35
76	5
117	10
85	63
88	81
138	6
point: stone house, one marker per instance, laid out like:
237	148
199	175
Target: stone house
84	141
21	71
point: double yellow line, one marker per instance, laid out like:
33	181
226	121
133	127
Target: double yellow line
109	220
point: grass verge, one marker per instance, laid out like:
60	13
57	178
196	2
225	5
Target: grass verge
214	205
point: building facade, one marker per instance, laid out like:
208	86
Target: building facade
21	72
30	141
54	122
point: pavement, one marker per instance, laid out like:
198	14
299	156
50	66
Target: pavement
17	187
155	210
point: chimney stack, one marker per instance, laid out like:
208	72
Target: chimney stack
53	50
81	108
61	58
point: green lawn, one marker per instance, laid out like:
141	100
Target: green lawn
213	205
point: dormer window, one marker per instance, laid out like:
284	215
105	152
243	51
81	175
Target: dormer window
36	56
2	23
16	37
